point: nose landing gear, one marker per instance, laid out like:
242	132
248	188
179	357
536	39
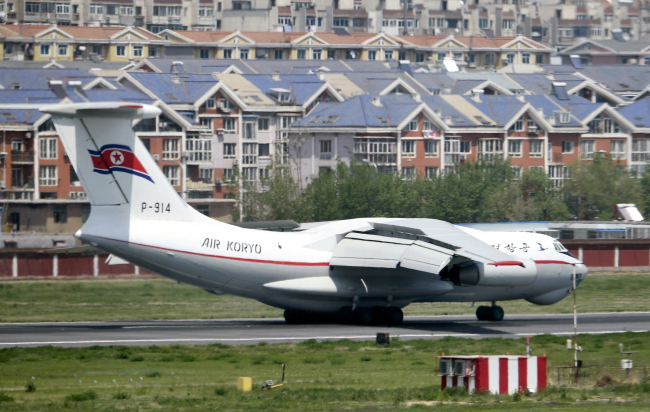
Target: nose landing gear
492	313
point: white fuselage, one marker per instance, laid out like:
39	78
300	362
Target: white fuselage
222	258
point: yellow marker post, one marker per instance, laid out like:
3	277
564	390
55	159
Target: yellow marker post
245	384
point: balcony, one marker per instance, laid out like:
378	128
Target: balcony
455	158
203	184
206	21
22	184
22	158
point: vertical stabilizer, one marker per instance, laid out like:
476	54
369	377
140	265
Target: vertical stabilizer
113	165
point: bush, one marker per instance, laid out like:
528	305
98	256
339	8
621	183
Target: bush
137	358
5	398
153	374
187	358
121	395
30	387
366	359
606	380
220	391
81	397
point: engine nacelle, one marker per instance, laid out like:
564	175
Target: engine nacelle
480	274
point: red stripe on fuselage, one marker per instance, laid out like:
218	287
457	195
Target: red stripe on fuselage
272	262
552	262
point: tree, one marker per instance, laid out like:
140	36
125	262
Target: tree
597	186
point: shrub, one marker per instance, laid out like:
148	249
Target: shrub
220	391
606	380
153	374
30	387
366	359
187	358
137	358
81	397
121	395
5	398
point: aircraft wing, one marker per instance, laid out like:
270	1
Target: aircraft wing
422	244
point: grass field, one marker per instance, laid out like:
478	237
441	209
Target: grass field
341	375
161	299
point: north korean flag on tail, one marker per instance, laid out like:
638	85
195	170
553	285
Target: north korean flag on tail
117	158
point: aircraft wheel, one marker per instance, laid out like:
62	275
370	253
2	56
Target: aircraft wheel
483	313
362	316
293	316
393	316
496	313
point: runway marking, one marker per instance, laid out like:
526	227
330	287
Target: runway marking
268	320
428	335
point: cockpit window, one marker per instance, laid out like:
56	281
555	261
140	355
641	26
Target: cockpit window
559	247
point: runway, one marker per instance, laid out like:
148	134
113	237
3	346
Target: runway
252	331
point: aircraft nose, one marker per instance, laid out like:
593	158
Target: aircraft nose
581	272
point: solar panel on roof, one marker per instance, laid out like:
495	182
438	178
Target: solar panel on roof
576	62
171	96
340	31
8	116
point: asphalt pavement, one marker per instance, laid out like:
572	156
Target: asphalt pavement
252	331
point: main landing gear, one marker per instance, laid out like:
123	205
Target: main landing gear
359	316
492	313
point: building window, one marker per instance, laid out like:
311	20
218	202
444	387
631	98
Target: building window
241	5
489	149
514	148
205	11
206	122
535	148
412	125
32	7
408	173
430	172
340	22
317	54
587	149
227	53
372	55
250	131
326	149
263	124
641	150
388	55
137	51
17	145
510	57
431	148
489	59
519	125
62	8
227	175
199	148
557	174
170	149
408	148
172	175
249	174
209	103
61	213
278	54
153	51
419	57
539	59
249	153
97	50
229	124
48	148
45	49
244	53
302	54
441	56
48	176
525	58
617	149
63	49
229	150
120	51
567	146
516	171
263	150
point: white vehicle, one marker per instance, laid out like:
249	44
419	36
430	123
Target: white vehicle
361	270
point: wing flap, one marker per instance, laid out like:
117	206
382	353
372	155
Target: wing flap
425	257
362	250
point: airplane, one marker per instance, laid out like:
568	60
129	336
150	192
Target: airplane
359	271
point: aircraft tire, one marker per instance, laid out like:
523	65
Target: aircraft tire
292	317
496	313
483	313
345	315
393	316
362	316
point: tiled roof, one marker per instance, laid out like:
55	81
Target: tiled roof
637	112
